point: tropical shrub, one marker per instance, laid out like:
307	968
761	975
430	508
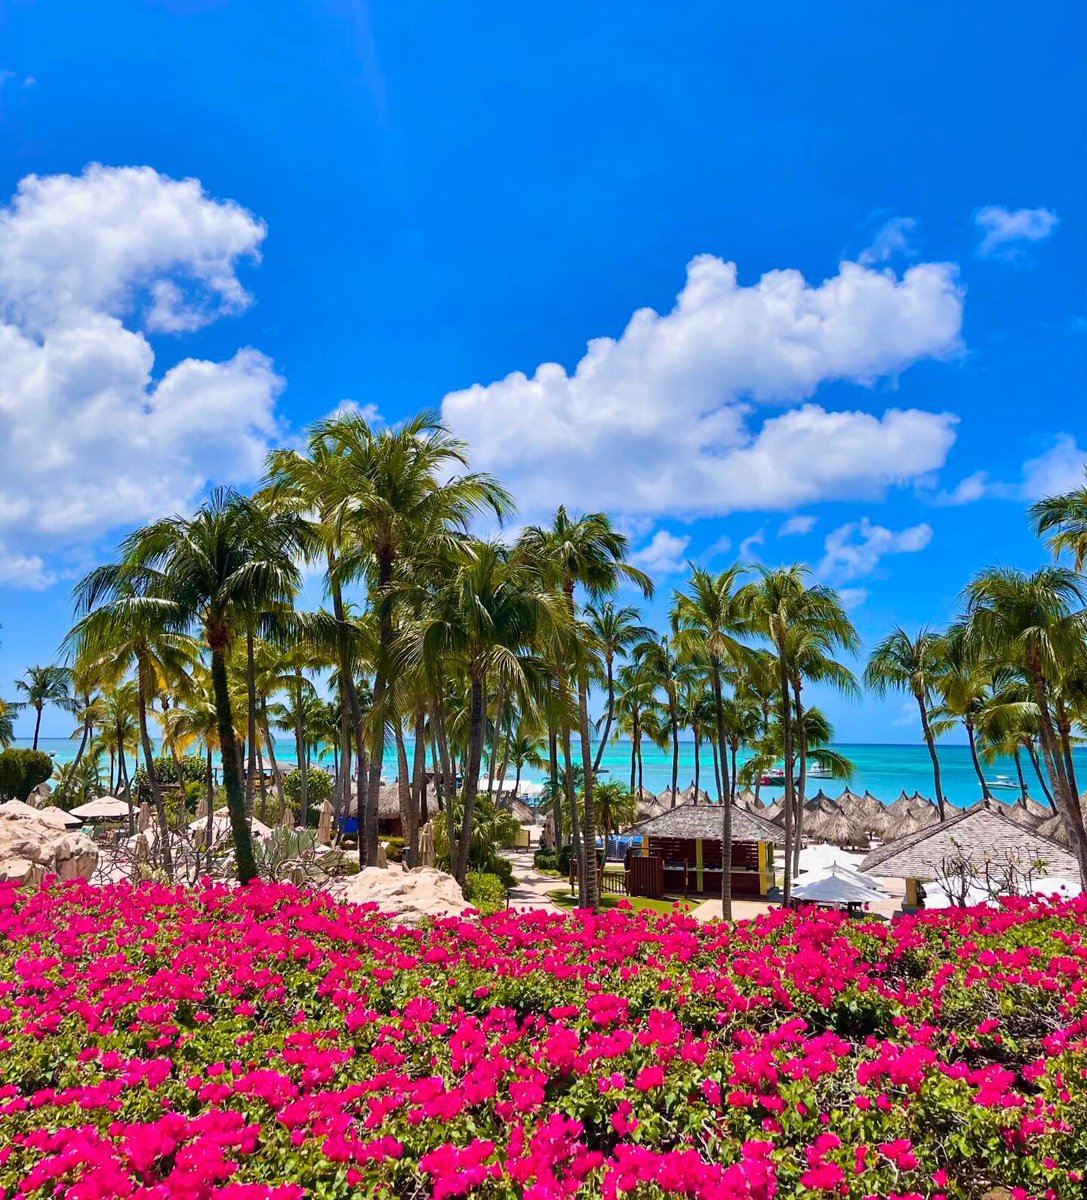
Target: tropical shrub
485	891
194	769
232	1043
394	848
318	786
546	860
21	771
74	783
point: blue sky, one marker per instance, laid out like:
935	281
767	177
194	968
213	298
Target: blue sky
398	201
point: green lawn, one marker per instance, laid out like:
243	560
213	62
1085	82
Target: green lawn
563	899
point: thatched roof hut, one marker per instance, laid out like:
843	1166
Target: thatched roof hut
703	821
833	826
983	835
651	806
746	799
1054	827
645	793
524	814
666	796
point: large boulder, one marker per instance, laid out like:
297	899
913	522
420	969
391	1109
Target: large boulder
31	849
408	896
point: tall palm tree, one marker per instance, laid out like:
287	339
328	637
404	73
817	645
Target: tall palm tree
964	684
8	709
211	571
129	623
616	630
1064	519
912	665
396	490
44	686
586	552
1036	622
659	659
490	610
634	699
796	618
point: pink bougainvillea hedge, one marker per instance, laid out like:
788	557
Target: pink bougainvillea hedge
270	1043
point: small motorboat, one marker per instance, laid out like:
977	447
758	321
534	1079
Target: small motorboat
775	776
1003	781
816	771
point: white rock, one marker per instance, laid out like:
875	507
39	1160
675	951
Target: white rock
31	849
408	896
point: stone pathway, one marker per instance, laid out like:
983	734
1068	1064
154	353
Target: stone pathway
530	888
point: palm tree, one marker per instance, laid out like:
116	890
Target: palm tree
910	664
634	699
1036	623
490	609
658	658
7	722
1064	518
964	684
616	631
129	622
586	552
43	686
213	570
393	492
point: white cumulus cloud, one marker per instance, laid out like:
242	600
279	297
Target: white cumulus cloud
854	550
892	238
666	417
664	555
92	436
1058	469
1005	231
797	524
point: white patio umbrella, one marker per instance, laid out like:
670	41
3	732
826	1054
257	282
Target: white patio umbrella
105	808
324	825
530	787
836	888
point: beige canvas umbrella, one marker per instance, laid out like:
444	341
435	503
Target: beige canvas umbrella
143	821
202	808
324	824
426	845
105	808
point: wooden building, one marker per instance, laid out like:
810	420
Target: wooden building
682	853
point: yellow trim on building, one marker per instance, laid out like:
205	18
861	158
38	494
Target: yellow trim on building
766	867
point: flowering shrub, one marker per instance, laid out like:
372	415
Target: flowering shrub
268	1042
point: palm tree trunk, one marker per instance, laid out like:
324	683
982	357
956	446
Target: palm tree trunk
556	792
609	714
588	828
930	741
790	797
209	785
378	717
300	748
717	777
418	771
674	717
1022	780
641	760
1033	754
985	793
726	808
87	722
1067	800
251	726
697	757
477	715
277	778
260	785
409	813
732	778
576	840
228	755
633	766
152	774
447	777
37	725
802	737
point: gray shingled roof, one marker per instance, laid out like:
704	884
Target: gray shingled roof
704	821
980	834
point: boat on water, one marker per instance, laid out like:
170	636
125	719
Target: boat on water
1002	781
816	771
775	776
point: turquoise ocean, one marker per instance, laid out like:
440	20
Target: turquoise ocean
884	770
